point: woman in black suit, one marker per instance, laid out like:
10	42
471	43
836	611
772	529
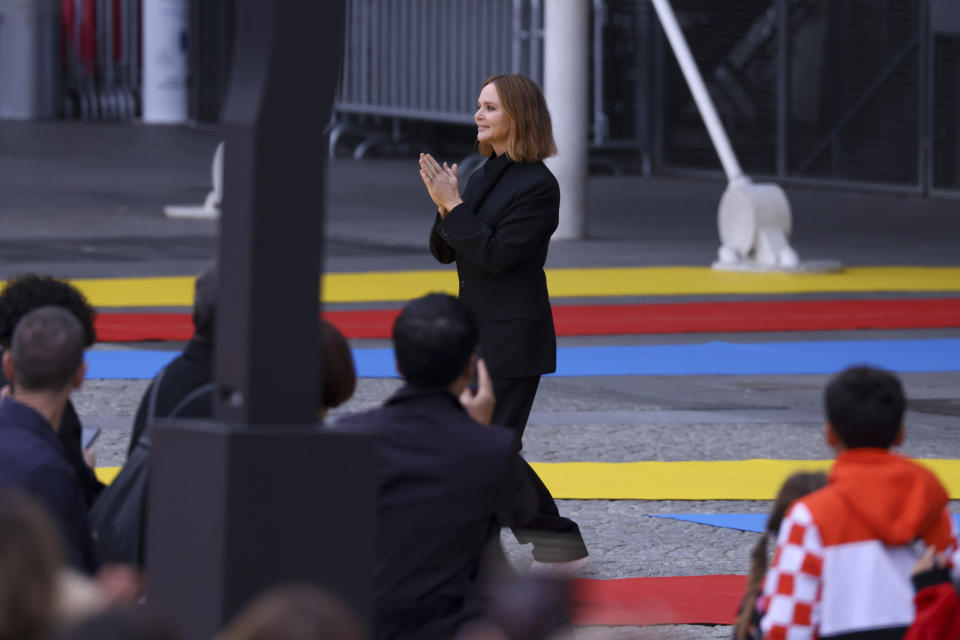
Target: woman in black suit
498	233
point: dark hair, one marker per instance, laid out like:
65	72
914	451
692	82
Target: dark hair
31	556
294	612
47	349
135	622
433	338
865	406
531	130
337	370
26	292
796	486
205	302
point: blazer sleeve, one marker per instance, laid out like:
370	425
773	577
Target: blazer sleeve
438	247
530	219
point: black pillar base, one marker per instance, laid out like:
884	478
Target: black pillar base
300	506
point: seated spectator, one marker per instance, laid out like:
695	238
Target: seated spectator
22	295
31	557
44	364
447	481
175	390
135	622
38	593
843	559
119	517
294	612
753	606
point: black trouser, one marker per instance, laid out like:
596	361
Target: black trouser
554	538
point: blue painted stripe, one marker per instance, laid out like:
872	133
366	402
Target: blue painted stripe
711	358
741	521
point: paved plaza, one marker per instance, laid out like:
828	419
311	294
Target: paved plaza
86	200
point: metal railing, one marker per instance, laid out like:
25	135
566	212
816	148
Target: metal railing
425	59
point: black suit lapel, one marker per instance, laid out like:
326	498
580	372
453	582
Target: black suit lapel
483	181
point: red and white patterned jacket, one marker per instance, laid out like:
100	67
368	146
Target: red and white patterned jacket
845	553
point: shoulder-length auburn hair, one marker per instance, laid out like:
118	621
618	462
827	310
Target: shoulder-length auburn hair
531	130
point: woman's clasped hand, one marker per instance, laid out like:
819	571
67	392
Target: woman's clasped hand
441	182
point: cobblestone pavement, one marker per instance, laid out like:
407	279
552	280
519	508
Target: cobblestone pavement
640	418
85	200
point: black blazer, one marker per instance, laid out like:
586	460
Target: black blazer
499	238
446	485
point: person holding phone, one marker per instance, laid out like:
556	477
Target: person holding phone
498	233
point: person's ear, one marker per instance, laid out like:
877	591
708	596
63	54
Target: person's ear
396	365
79	375
8	365
898	439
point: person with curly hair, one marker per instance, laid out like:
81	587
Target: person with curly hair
20	296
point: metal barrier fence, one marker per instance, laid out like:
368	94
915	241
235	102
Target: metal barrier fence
809	90
424	59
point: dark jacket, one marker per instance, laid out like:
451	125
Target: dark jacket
33	460
447	483
499	238
190	370
71	435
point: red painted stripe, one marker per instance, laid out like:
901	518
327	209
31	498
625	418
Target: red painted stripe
595	320
650	601
792	315
137	327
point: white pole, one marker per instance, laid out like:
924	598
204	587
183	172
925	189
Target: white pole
165	27
699	90
567	90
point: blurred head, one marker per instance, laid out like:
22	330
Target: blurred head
294	612
27	292
31	556
865	408
127	623
205	303
434	338
46	353
512	113
337	371
793	488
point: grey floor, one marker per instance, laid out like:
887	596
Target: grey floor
85	200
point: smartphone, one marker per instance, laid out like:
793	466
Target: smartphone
89	436
475	378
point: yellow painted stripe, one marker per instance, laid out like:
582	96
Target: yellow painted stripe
694	480
688	480
563	283
107	474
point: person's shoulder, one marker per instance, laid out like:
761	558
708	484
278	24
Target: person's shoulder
363	421
492	442
536	172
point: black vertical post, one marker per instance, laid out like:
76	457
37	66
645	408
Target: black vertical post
261	495
281	92
924	98
783	85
